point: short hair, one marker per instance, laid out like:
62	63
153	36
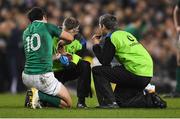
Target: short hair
36	13
109	21
70	23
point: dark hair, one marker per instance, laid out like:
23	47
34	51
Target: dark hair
36	13
109	21
70	23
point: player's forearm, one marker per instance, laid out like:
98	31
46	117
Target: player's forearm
67	37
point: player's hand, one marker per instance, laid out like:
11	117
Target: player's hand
97	36
60	47
69	56
96	39
56	56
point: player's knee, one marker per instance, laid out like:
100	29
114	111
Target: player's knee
65	96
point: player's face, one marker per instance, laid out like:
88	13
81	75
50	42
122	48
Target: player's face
74	31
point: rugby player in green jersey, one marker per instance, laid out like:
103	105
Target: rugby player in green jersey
38	74
77	68
131	77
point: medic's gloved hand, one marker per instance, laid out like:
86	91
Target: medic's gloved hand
64	60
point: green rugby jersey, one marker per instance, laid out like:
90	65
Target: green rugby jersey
130	53
37	41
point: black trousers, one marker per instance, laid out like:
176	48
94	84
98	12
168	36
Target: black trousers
82	72
127	84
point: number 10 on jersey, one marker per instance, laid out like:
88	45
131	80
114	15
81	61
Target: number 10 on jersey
30	42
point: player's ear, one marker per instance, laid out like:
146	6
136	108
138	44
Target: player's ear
45	19
66	36
63	27
103	27
100	26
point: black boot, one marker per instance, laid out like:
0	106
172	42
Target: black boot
158	102
114	105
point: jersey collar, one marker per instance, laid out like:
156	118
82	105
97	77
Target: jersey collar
39	21
110	33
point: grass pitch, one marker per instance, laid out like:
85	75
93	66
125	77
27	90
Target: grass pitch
13	106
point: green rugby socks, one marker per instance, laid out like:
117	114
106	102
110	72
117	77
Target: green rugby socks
52	100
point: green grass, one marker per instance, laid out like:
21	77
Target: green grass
12	106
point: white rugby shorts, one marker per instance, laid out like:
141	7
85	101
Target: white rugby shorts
45	83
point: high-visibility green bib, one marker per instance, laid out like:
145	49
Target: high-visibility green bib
71	48
130	53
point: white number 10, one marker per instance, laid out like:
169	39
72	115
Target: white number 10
30	44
